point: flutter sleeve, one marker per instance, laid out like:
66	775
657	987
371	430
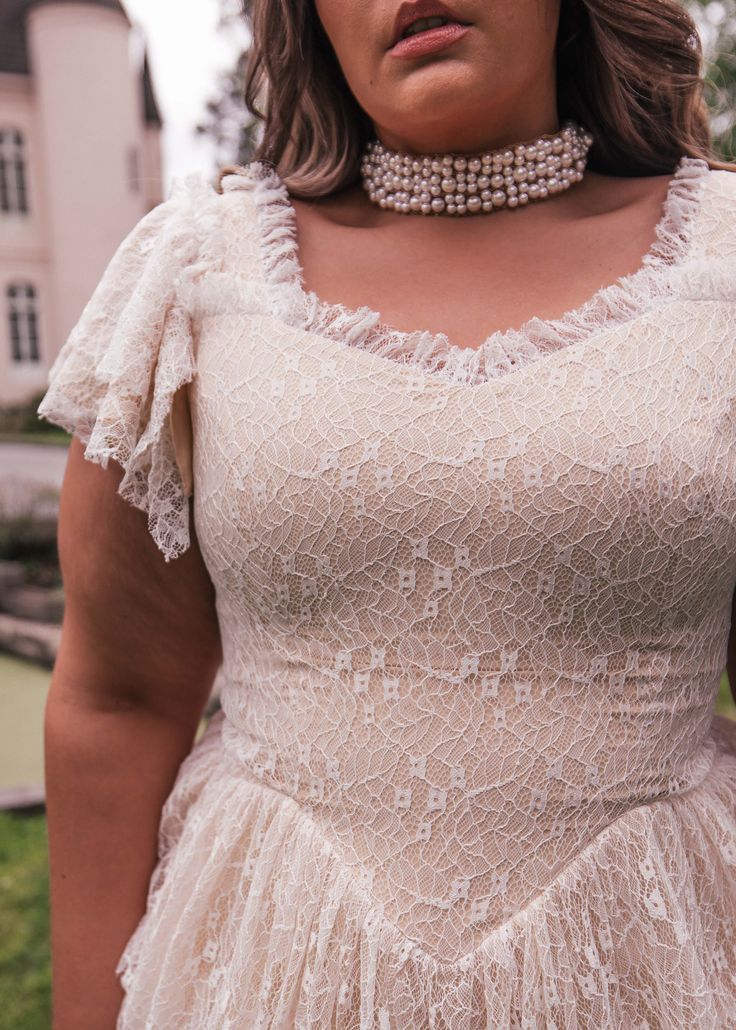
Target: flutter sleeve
119	381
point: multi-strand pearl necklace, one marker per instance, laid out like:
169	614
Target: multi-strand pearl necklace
483	182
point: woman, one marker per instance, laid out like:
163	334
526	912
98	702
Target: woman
468	602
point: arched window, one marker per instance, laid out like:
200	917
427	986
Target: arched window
13	193
23	319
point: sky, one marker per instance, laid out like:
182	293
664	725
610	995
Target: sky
185	53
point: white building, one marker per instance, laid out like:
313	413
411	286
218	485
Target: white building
80	164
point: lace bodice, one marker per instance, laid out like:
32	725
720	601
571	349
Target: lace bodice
474	604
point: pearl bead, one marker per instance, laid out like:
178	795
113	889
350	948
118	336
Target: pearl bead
456	184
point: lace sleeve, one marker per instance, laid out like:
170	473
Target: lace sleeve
114	382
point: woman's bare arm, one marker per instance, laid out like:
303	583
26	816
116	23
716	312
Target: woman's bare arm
139	650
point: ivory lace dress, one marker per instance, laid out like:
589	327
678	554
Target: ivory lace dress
474	609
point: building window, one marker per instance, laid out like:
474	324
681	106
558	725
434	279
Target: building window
13	193
23	318
133	170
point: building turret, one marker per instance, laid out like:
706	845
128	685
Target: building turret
79	114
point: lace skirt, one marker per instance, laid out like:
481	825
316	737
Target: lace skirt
254	922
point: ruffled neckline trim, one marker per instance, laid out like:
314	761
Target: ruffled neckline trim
433	352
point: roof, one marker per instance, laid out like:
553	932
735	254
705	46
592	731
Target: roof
150	107
14	49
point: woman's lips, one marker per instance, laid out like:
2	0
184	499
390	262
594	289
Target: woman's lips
430	41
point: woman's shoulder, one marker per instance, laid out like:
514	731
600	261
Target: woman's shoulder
247	187
222	224
715	228
257	200
709	222
232	196
722	181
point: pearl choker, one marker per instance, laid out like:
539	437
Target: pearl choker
469	183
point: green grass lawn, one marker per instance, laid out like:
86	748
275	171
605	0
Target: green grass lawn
52	435
25	965
724	702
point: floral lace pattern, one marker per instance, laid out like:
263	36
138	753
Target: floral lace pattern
474	615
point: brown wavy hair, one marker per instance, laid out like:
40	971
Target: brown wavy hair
630	71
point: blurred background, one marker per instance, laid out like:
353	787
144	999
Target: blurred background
102	104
